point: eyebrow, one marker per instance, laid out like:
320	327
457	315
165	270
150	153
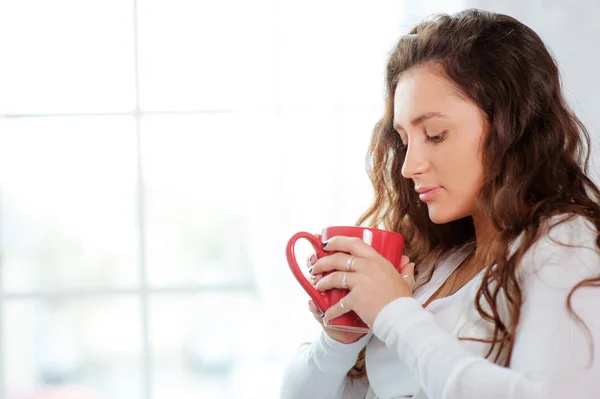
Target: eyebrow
421	118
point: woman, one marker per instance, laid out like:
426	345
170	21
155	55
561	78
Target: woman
479	162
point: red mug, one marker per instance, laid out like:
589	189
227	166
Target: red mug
387	243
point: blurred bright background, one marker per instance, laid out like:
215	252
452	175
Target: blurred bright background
155	156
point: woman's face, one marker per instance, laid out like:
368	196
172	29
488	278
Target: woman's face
443	132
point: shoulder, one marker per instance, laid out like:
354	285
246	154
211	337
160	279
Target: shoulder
565	234
568	231
567	249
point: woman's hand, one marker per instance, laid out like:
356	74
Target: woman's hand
344	337
373	281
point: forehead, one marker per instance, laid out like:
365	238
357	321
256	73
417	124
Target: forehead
421	90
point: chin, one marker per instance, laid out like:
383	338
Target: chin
439	215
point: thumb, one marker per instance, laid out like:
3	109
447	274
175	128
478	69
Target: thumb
405	260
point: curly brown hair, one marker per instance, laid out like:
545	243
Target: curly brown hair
535	156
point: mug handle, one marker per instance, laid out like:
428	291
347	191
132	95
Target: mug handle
321	300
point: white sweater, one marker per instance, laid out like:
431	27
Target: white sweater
415	351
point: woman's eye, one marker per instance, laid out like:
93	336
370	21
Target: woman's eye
437	139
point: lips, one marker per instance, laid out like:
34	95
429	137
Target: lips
427	193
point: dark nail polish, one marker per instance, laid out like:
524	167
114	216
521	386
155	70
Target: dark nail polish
310	270
324	245
322	315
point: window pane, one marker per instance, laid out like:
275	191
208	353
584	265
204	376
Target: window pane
66	56
225	345
325	180
88	349
68	202
206	55
354	189
340	60
203	174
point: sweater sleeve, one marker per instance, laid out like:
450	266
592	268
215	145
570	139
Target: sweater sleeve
319	371
554	356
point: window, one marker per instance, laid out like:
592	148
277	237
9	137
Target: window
155	156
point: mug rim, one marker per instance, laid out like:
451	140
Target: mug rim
372	229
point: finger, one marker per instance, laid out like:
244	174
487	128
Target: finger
315	311
408	269
352	245
312	306
337	261
336	280
338	309
315	278
404	261
408	274
310	260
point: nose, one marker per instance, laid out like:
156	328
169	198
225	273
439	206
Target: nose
415	161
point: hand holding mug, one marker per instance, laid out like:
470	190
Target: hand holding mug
385	248
372	280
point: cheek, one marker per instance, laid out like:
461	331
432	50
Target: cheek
469	188
470	182
464	169
461	174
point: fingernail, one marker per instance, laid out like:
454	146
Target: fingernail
311	269
324	244
322	315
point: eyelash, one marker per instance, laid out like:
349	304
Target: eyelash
437	139
432	139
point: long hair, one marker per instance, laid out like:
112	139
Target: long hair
535	156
